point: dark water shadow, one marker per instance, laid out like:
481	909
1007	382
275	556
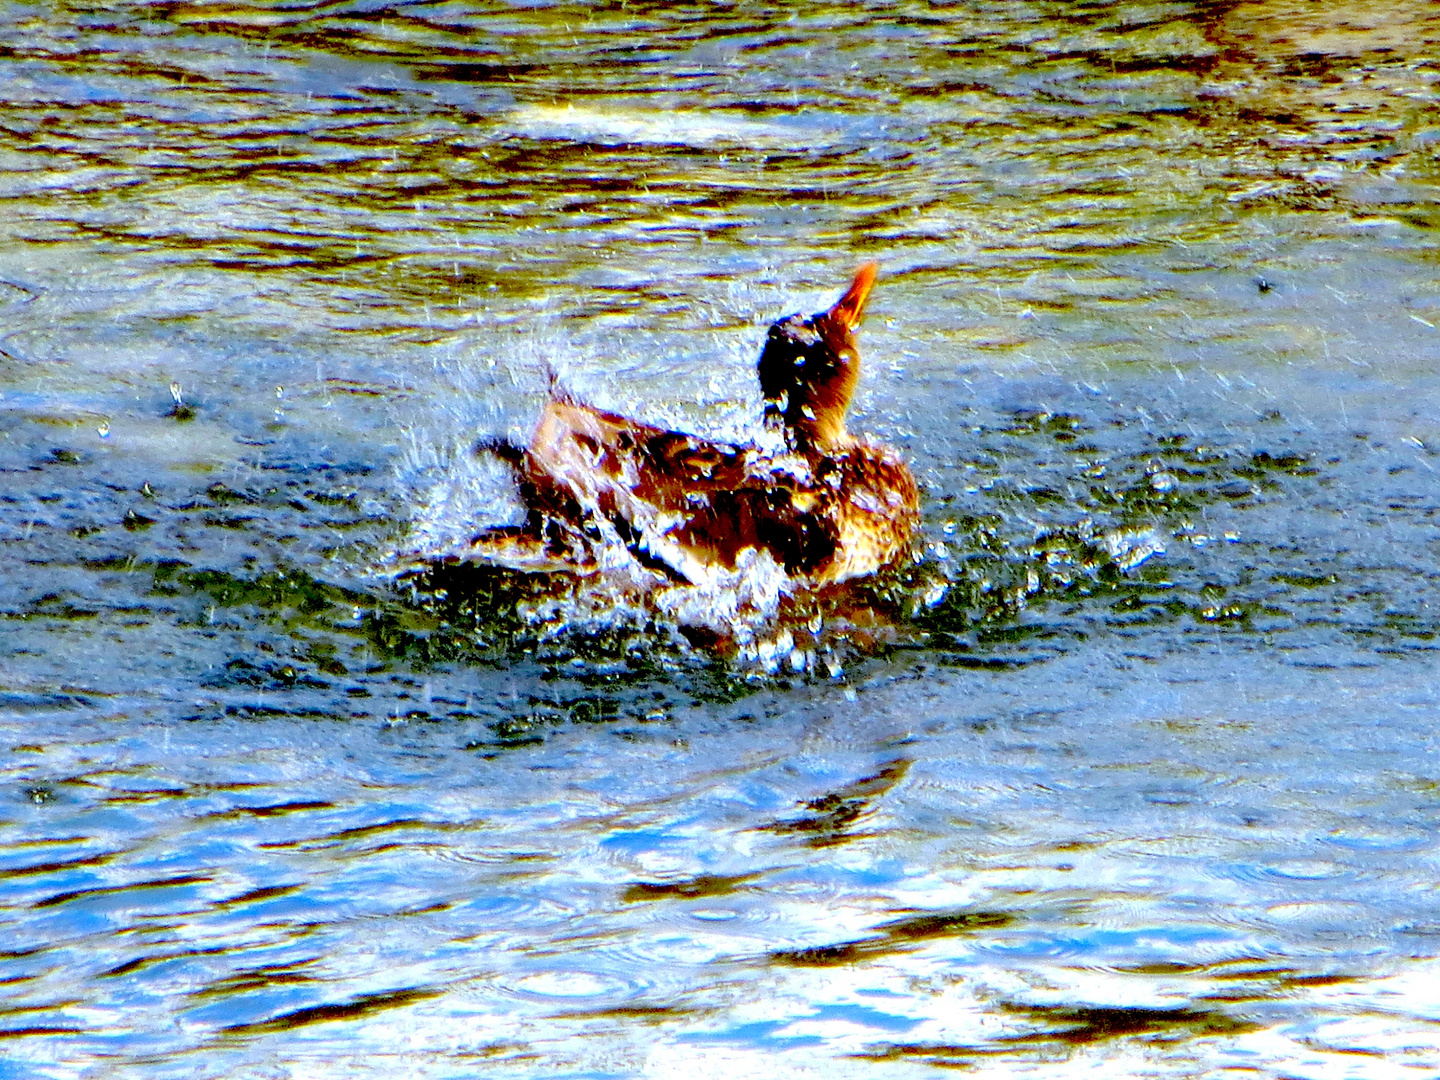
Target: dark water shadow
833	816
354	1009
1071	1027
702	887
901	935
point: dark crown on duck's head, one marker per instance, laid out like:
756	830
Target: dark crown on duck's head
809	368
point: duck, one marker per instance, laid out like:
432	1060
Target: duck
607	494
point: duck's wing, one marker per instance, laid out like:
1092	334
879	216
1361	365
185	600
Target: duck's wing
608	462
775	507
825	518
686	507
632	483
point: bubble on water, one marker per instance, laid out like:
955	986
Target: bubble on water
1131	547
769	653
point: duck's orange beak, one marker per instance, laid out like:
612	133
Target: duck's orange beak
850	308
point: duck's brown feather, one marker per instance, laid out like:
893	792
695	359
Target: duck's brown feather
690	503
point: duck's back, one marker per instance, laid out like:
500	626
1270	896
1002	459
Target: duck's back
688	505
610	464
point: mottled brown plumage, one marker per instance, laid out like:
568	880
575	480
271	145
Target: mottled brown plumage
825	506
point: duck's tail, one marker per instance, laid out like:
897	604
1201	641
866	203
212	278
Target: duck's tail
511	453
557	390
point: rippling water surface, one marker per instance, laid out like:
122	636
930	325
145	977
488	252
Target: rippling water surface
1134	772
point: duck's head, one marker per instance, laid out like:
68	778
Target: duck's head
809	367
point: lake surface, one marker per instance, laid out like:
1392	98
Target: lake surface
1134	772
